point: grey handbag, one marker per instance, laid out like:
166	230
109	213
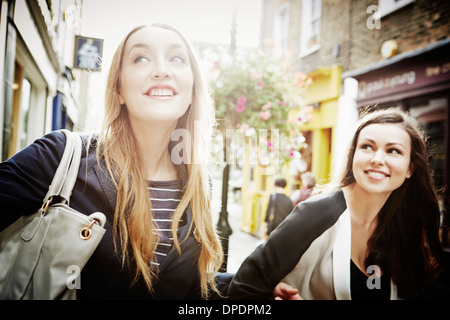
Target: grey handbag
42	254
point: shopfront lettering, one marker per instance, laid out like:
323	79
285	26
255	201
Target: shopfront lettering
367	88
437	70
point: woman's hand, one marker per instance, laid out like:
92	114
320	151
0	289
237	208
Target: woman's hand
283	291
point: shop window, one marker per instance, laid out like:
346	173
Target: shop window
432	117
24	114
20	115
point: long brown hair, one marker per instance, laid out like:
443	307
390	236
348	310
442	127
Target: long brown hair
131	220
406	242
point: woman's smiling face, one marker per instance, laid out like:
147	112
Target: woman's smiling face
156	80
381	161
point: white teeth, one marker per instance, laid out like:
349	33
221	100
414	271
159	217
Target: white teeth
376	174
161	92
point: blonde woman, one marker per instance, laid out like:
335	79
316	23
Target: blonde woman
145	171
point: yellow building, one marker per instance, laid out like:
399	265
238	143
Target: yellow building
258	180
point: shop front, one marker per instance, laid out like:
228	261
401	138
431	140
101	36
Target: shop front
317	151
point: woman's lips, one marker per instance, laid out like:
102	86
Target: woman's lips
161	91
376	174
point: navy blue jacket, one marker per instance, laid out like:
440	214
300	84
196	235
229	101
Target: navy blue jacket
24	181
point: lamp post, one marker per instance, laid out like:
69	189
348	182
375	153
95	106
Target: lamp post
223	226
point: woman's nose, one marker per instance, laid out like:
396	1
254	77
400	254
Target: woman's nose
378	158
161	71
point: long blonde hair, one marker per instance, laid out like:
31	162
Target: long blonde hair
131	219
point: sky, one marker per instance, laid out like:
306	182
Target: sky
197	20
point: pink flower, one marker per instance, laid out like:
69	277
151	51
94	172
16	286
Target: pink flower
241	100
260	84
240	107
291	152
282	103
267	106
265	115
255	75
243	127
300	79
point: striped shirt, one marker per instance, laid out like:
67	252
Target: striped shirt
165	197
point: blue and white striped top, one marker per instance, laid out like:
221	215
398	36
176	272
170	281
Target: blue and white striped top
165	197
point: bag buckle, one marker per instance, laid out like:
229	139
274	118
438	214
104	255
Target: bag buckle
86	232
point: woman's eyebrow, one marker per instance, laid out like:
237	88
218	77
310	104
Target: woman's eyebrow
389	144
146	46
399	144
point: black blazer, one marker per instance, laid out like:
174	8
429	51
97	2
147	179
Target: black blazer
24	181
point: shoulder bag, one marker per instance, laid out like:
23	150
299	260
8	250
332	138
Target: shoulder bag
42	254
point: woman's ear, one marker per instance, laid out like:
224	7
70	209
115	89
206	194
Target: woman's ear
410	171
121	101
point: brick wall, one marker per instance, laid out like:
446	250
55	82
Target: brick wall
345	26
416	25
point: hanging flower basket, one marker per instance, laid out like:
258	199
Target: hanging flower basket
253	92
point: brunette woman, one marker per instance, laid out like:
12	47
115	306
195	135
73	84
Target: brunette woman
375	236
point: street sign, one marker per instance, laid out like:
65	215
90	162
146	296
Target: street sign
88	53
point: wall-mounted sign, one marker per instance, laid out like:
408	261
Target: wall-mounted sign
412	76
88	53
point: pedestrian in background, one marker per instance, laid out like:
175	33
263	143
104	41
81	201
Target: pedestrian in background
308	184
375	236
278	208
160	240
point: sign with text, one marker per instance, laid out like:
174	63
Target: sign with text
88	53
409	75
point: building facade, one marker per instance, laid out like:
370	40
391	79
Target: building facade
40	89
389	53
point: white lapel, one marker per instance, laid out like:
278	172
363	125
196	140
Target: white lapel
341	258
394	295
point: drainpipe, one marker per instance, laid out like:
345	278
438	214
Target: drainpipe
8	43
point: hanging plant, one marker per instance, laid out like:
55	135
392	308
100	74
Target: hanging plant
252	91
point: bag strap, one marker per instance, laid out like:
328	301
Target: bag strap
67	171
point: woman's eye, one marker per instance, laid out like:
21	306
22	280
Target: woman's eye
395	151
177	59
366	147
140	59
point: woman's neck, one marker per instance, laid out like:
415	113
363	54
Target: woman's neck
153	142
364	206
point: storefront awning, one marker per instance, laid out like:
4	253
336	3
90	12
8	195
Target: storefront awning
406	75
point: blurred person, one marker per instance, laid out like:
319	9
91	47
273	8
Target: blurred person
308	184
297	166
278	208
376	236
